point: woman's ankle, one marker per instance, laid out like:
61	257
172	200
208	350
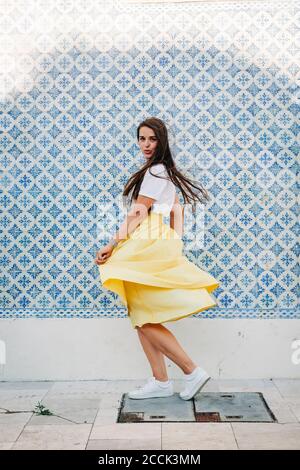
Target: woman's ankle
190	369
161	379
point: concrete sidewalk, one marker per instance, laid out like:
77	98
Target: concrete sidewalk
86	412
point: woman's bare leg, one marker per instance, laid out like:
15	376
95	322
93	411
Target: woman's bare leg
155	357
163	340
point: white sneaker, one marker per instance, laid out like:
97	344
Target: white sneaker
194	384
152	389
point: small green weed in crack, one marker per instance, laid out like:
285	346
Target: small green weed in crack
40	409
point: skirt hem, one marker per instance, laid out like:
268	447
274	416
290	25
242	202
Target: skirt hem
178	317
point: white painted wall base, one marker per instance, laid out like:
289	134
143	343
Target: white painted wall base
94	349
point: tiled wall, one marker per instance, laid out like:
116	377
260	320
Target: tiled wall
79	76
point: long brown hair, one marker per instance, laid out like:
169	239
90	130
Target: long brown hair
163	155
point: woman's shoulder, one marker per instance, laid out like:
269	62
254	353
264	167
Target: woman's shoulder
157	168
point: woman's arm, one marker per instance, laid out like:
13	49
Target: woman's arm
177	217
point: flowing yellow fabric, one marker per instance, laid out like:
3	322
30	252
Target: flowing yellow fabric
153	279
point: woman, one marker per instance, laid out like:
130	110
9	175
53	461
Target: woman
144	265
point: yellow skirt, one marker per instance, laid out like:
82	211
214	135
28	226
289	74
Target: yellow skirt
154	280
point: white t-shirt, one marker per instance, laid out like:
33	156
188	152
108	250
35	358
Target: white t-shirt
161	189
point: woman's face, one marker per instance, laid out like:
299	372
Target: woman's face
147	141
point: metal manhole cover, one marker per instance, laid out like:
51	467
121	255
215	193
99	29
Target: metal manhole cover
204	407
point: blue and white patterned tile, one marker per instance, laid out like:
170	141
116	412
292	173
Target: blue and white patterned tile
79	76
